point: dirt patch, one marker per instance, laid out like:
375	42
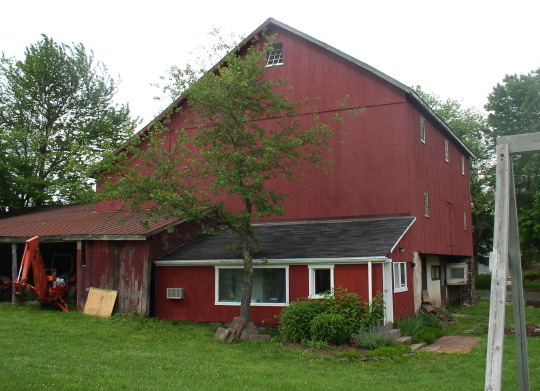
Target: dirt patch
453	345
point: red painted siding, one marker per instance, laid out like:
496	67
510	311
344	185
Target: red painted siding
449	197
199	284
380	168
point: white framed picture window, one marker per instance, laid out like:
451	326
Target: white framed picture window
270	285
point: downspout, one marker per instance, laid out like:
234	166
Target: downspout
370	282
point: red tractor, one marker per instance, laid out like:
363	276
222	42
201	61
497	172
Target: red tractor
50	288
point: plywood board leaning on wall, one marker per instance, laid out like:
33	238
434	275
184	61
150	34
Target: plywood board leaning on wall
100	302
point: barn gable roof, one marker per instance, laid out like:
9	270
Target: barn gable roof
409	92
350	238
78	222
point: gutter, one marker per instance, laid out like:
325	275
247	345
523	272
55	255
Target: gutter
283	261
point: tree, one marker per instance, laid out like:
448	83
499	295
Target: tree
471	126
514	108
56	118
244	133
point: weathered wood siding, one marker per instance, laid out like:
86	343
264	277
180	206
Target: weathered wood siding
118	265
125	266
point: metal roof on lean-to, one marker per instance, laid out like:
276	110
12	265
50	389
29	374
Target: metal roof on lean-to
78	222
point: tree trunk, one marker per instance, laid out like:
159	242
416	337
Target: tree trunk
245	303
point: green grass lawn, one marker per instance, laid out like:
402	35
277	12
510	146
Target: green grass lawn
46	349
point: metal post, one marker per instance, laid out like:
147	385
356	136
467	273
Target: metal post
13	269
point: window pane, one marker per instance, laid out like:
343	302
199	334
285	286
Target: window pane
457	273
275	57
435	272
403	278
268	285
230	285
322	281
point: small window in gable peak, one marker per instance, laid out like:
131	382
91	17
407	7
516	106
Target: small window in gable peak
462	165
446	152
423	129
275	56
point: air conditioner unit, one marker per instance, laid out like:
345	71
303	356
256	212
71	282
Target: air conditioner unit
456	274
175	293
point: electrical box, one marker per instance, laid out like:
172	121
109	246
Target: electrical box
175	293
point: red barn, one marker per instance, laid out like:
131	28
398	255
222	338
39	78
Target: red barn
393	216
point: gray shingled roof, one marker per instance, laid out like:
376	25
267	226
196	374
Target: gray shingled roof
371	237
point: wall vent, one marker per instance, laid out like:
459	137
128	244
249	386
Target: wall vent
175	293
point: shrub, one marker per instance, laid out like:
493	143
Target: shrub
421	327
350	354
390	351
410	326
331	327
483	281
315	344
428	335
295	320
374	338
374	314
346	304
531	275
430	320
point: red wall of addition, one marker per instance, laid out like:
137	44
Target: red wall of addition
199	287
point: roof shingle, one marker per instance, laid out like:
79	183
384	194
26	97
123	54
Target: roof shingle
368	237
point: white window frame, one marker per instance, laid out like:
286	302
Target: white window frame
400	279
446	152
275	56
235	303
462	165
426	204
423	130
312	269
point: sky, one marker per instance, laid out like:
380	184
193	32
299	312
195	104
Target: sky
456	49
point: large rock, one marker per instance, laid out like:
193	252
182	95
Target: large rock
249	331
239	329
235	328
222	333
